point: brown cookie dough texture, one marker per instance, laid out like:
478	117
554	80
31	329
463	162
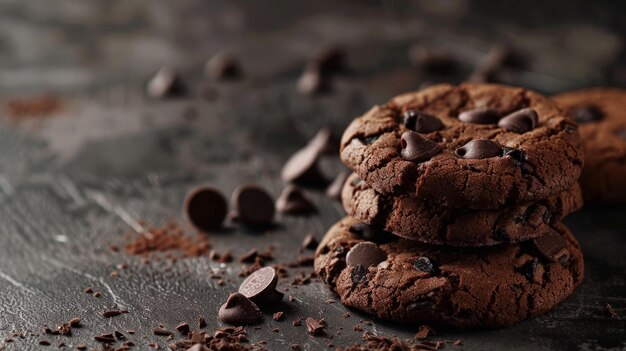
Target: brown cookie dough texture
604	141
416	219
466	288
537	164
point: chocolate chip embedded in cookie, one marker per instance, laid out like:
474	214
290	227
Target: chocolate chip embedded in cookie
601	113
479	146
416	219
469	288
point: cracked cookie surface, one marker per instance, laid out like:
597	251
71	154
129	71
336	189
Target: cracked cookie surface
604	141
466	288
416	219
538	163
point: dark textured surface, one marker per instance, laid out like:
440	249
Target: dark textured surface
72	184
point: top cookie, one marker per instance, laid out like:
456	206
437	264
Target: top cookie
478	146
601	113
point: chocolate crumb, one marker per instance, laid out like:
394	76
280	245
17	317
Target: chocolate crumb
201	323
314	327
44	343
183	328
278	316
112	313
611	311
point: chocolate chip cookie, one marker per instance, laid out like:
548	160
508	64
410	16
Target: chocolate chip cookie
407	281
601	114
479	146
417	219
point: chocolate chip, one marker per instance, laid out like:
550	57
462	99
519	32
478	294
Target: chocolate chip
293	201
165	83
426	265
205	208
309	242
313	326
253	205
481	115
328	60
302	167
421	122
112	313
162	332
416	148
553	247
370	233
529	268
325	142
336	186
75	322
313	82
260	286
105	338
519	121
365	254
479	149
222	66
183	328
239	310
586	114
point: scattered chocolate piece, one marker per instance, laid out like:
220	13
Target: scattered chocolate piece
313	82
434	61
97	294
239	310
260	286
293	201
65	329
520	121
309	242
278	316
249	256
165	83
201	323
162	332
479	149
205	208
183	328
105	338
44	343
481	115
328	60
586	114
498	57
552	247
333	191
424	332
426	265
297	322
416	148
119	336
421	122
365	254
112	313
302	168
611	312
346	315
253	205
89	290
296	347
325	142
222	65
314	327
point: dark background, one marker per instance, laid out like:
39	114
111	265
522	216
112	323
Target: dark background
73	182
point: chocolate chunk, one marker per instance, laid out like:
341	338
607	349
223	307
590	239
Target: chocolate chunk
75	322
260	286
586	114
313	326
325	142
201	323
366	254
426	265
481	115
44	343
416	148
520	121
371	233
421	122
119	335
278	315
239	310
553	247
293	201
162	332
253	205
309	242
165	83
105	338
434	61
112	313
205	208
358	274
479	149
529	268
336	186
222	66
183	328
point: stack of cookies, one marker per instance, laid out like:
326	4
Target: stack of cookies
455	208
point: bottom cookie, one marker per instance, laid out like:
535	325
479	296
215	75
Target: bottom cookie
410	282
